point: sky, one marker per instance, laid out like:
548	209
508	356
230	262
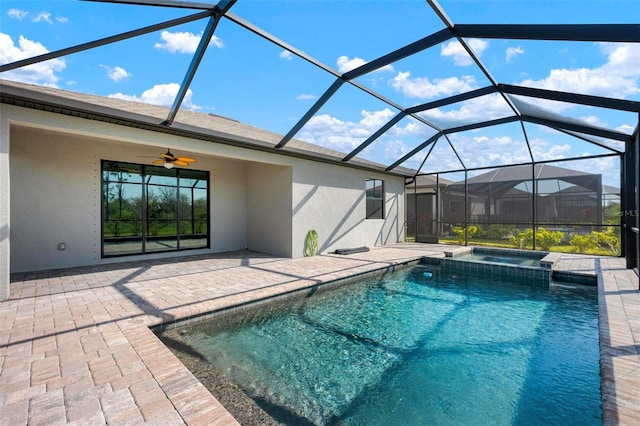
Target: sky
244	77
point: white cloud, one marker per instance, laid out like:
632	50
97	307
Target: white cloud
484	151
541	151
305	96
423	88
412	128
345	64
40	17
43	16
484	108
594	121
512	52
17	13
117	73
160	94
42	73
626	128
285	54
183	42
618	77
396	149
343	136
457	52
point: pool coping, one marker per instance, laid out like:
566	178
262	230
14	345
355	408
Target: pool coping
62	326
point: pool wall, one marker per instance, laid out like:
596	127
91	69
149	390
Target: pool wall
539	276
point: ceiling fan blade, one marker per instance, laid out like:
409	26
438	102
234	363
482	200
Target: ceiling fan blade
181	163
158	162
187	159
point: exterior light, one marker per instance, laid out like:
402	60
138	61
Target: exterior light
168	165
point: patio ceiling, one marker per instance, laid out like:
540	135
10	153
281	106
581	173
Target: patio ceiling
505	106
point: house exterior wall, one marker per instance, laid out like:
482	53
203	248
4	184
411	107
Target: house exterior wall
258	200
4	206
269	208
331	200
55	182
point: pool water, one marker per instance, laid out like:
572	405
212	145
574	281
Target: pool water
406	348
504	259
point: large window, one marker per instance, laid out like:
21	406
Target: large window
375	198
147	209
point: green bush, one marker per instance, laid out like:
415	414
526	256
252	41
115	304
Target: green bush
459	231
499	231
596	242
584	243
545	239
608	241
526	236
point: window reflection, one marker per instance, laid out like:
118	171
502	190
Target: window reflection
148	209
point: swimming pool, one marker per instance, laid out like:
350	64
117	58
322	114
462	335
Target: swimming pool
508	260
408	348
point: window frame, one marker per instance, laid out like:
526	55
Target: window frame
145	173
371	194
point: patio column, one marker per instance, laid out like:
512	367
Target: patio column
4	207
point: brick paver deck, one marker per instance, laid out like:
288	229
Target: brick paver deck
76	348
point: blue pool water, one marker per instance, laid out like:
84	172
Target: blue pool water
406	348
504	259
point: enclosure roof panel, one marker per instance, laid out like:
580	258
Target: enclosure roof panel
363	84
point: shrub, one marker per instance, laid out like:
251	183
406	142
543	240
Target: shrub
609	241
545	239
459	231
499	231
584	243
596	242
526	236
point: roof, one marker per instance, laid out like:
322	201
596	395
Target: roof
517	106
212	127
506	180
524	173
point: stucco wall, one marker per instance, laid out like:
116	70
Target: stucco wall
263	201
55	182
331	200
269	208
4	207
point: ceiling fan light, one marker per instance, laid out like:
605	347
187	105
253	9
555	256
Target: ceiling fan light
168	165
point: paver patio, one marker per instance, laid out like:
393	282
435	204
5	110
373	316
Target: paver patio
76	348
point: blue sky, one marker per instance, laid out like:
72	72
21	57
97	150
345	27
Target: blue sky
246	78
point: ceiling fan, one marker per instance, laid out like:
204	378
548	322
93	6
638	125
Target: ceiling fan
168	160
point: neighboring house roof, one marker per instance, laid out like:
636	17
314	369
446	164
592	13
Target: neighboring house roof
430	180
523	173
197	125
502	181
608	189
